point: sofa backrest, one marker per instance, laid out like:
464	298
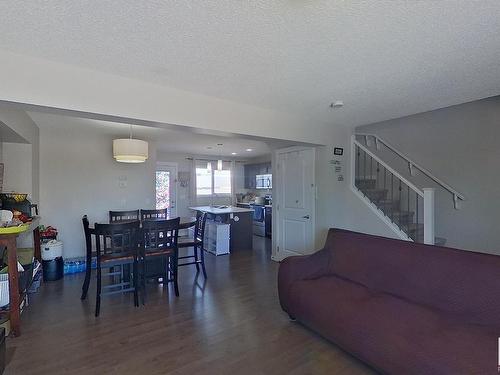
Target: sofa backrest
457	281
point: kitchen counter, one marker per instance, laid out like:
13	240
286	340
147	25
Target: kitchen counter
240	221
221	211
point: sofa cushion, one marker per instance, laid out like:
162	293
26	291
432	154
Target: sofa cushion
391	333
458	281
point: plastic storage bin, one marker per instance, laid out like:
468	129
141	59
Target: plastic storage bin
4	289
53	269
217	238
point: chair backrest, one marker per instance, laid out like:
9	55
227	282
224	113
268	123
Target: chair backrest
117	216
121	239
160	234
199	228
88	233
154	214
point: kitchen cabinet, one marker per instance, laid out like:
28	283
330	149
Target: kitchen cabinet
252	170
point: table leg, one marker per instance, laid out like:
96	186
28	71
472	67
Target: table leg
36	244
14	297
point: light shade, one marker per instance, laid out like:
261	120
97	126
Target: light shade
129	150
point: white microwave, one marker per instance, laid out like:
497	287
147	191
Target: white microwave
264	181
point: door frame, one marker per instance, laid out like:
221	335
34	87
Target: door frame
276	256
174	167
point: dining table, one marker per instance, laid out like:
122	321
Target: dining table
186	222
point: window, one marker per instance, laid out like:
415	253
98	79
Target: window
222	182
203	181
213	182
162	189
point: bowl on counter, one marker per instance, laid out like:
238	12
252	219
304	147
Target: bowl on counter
18	197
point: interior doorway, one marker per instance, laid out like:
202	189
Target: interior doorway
296	200
166	188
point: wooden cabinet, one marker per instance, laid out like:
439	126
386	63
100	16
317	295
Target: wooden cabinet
252	170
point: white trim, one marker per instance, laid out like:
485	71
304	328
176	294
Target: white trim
175	167
455	193
429	219
393	171
402	235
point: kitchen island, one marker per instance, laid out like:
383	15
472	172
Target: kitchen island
240	220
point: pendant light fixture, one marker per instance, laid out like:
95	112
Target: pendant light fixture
128	150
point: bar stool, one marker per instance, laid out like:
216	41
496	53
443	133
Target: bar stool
196	243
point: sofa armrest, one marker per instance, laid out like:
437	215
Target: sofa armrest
300	268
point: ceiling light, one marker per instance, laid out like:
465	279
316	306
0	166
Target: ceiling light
249	150
234	153
128	150
337	104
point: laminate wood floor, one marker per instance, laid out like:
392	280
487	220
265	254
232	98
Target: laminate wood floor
230	324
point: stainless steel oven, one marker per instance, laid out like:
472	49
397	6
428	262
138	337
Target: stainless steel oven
259	220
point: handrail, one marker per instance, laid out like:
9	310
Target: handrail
411	163
386	166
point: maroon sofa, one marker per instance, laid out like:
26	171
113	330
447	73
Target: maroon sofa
401	307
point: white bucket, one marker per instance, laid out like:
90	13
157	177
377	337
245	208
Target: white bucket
52	250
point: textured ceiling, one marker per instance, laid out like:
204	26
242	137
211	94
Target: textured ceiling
166	140
384	59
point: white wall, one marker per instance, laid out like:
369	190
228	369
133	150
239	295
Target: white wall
459	145
336	204
24	126
79	176
18	167
41	82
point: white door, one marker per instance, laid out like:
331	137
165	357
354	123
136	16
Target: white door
296	201
166	188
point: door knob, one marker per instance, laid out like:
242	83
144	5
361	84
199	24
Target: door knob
306	217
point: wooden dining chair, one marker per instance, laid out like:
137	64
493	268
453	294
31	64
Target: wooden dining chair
196	243
159	243
117	248
117	216
160	214
88	257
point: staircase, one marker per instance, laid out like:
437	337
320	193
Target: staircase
406	208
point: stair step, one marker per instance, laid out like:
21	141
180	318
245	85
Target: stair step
440	241
401	214
375	195
367	183
388	203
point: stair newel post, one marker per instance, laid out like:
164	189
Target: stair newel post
429	234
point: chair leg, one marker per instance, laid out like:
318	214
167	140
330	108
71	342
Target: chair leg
202	252
175	268
143	281
86	283
135	280
98	292
196	258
